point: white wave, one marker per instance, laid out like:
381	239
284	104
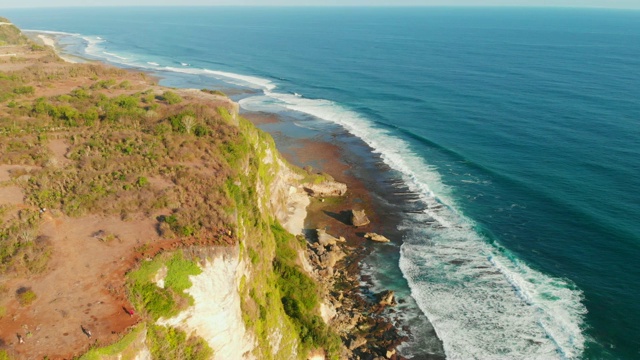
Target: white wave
237	79
250	80
50	32
260	104
482	303
93	46
185	64
296	94
114	55
153	63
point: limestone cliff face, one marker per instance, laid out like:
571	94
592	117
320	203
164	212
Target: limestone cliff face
216	315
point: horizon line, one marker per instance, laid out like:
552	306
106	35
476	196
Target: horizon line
328	6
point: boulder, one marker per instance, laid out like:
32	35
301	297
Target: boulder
387	298
326	189
359	218
390	353
325	239
331	257
376	237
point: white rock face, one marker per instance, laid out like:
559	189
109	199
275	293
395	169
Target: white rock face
216	315
144	354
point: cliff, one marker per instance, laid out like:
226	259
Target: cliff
144	222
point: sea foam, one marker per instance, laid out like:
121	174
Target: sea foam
482	301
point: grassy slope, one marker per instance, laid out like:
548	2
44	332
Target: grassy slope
125	134
11	35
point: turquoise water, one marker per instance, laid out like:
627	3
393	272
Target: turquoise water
518	129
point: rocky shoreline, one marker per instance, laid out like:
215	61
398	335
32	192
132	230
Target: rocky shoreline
353	311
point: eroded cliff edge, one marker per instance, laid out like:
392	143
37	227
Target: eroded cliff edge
144	222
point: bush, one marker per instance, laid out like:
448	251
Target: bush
162	302
171	98
4	355
299	296
24	90
168	343
214	92
26	296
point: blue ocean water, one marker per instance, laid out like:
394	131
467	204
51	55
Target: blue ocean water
519	129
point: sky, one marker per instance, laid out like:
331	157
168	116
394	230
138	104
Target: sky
629	4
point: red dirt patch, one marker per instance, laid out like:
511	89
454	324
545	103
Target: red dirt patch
84	285
11	195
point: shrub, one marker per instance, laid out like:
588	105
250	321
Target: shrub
171	98
214	92
162	302
26	296
168	343
24	90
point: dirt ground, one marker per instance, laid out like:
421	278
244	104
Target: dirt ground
83	286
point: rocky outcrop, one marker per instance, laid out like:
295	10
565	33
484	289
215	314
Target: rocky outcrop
386	298
357	342
326	189
376	237
359	218
325	239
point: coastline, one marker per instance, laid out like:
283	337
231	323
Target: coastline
350	161
354	298
486	223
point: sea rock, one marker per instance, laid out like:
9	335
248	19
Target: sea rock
359	218
376	237
325	239
387	298
326	189
390	353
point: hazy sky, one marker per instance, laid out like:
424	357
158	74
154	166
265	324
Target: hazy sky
580	3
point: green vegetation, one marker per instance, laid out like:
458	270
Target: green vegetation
167	343
21	250
11	35
214	92
171	98
131	153
4	355
279	289
162	302
26	296
119	348
299	296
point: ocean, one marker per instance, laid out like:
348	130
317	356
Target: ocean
517	130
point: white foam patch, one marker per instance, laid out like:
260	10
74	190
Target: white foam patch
114	55
482	301
51	32
251	80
